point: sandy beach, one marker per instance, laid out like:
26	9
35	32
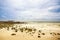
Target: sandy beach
31	31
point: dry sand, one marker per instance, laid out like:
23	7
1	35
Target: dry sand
44	31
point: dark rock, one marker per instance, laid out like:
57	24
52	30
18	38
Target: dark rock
43	33
39	36
58	38
30	30
21	29
13	28
50	33
58	33
40	31
34	29
13	34
16	30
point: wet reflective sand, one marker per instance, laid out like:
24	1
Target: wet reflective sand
30	31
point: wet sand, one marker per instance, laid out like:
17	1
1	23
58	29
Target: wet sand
31	31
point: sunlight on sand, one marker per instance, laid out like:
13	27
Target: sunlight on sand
31	31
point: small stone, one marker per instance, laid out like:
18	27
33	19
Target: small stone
43	33
13	28
58	33
13	34
34	29
26	29
58	38
21	29
16	30
39	36
50	33
40	31
53	33
30	30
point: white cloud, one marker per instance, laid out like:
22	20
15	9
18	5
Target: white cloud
30	9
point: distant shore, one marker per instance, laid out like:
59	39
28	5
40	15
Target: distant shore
22	22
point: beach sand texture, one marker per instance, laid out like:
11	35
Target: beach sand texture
31	31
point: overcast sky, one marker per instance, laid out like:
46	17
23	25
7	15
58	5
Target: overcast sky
30	10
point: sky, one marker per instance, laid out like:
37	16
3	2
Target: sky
30	10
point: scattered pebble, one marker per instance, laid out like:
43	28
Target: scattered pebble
40	31
34	29
13	34
16	30
58	33
21	29
26	29
30	30
58	38
53	33
43	33
39	36
50	33
13	28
